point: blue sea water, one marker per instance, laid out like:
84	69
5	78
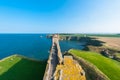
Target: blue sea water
30	45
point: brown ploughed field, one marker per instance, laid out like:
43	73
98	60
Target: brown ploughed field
111	42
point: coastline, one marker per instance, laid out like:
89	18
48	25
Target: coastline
103	45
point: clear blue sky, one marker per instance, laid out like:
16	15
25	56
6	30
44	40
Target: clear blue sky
72	16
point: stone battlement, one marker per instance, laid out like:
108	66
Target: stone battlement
62	69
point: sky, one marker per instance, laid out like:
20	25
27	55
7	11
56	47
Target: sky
59	16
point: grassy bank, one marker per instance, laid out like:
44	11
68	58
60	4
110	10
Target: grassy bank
20	68
109	67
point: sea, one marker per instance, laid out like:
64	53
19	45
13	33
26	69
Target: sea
35	46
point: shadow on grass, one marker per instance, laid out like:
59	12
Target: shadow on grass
25	70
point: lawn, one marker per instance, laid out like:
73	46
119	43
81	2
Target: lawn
20	68
109	67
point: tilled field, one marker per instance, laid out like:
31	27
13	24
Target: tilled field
110	42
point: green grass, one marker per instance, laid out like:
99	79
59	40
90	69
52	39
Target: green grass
109	67
104	35
20	68
118	55
88	35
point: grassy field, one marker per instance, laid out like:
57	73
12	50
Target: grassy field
104	35
88	35
20	68
118	55
109	67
